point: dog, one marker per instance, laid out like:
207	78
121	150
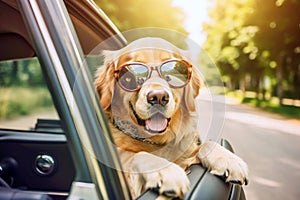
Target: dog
147	90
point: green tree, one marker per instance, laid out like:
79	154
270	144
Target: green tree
279	32
132	14
21	73
256	39
143	13
229	41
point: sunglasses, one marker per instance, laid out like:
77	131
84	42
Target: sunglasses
131	76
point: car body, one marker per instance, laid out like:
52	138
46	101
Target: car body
64	158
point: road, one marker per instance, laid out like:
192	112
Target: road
270	144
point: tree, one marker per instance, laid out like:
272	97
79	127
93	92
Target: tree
250	39
134	14
229	41
143	13
279	34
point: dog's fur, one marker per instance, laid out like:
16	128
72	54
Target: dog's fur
158	160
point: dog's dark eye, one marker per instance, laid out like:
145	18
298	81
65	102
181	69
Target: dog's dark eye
133	76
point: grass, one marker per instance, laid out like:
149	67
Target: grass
18	101
271	105
285	110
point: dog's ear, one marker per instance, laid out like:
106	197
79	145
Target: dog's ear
105	80
192	90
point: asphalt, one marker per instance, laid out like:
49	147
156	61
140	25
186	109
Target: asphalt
270	144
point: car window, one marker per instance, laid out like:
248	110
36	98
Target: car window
94	62
24	96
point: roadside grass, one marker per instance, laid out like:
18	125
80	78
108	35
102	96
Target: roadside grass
271	105
19	101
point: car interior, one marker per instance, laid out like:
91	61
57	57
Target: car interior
90	30
35	157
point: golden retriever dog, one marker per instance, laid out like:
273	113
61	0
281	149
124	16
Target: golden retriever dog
147	90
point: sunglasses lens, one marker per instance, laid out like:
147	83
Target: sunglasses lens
132	76
175	72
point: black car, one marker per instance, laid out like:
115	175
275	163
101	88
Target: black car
57	158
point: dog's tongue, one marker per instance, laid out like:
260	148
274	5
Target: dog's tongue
157	123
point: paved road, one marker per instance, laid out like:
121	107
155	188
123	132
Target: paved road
270	145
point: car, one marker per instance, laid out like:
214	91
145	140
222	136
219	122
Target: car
66	157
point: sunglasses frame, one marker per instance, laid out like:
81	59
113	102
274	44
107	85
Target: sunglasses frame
150	69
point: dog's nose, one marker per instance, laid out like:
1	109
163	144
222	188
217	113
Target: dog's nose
158	97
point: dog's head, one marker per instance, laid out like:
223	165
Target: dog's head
148	89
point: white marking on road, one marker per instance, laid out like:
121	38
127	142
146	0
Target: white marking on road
265	181
264	122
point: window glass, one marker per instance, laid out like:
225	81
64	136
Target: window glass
24	96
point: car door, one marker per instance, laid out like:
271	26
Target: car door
34	158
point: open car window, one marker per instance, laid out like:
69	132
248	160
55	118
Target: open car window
25	100
25	97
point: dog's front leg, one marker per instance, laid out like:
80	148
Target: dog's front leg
222	162
145	170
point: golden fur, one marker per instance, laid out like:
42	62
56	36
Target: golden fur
151	160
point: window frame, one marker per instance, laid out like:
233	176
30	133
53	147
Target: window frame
83	121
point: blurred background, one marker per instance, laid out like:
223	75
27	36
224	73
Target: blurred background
255	44
256	47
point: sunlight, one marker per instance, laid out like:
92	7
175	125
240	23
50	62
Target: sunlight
196	13
264	122
266	182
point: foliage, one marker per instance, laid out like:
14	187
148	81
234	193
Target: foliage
286	110
22	88
134	14
143	13
21	73
257	46
16	101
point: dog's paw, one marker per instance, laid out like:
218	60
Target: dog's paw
168	179
171	181
224	163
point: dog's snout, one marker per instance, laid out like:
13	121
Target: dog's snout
160	97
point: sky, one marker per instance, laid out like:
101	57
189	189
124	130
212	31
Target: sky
196	14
